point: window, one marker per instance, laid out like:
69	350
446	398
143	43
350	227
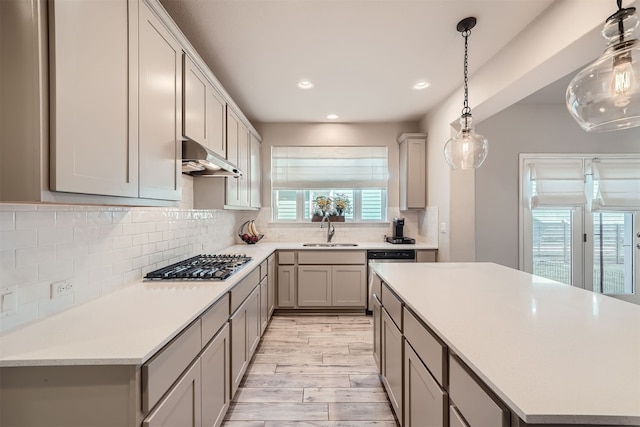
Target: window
300	174
580	221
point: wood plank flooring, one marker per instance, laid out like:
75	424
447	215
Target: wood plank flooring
313	371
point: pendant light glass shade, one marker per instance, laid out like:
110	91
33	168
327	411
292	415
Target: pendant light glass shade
467	150
605	96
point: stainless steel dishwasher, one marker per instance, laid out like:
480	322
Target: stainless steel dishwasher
385	255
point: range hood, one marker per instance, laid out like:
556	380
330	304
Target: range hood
198	160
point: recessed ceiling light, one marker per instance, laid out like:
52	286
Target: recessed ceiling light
421	85
332	116
305	84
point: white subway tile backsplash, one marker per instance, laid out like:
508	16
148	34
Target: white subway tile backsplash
55	270
7	221
71	218
31	257
54	236
97	248
18	239
31	220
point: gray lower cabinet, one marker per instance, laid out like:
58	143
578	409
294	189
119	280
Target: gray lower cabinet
244	330
331	286
314	285
182	405
286	286
475	404
425	403
391	363
377	329
264	305
349	286
215	366
271	280
455	419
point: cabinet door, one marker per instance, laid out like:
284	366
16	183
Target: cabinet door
255	177
244	195
286	286
264	304
93	75
391	363
182	405
376	307
233	184
425	403
160	109
216	122
413	171
314	285
271	280
215	365
195	103
349	286
239	346
253	322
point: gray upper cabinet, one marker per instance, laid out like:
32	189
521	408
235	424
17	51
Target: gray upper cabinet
160	119
255	172
413	171
93	125
204	118
94	141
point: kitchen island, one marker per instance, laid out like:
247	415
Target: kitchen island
550	353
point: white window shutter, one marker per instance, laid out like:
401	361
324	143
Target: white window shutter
329	167
614	184
556	182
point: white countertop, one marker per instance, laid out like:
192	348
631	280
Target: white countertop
553	353
129	325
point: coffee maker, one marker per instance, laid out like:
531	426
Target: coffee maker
398	233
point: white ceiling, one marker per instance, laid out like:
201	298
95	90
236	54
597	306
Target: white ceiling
363	56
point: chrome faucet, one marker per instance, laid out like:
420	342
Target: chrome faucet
331	230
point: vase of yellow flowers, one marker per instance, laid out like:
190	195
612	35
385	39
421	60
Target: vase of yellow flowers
342	204
322	206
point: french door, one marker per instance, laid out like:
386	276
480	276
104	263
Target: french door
597	251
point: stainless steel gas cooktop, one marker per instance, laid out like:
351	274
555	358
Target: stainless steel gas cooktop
202	267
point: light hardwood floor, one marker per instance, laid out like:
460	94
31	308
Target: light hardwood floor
313	371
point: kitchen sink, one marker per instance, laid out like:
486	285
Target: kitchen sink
329	245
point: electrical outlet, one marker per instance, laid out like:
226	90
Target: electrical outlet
8	301
62	287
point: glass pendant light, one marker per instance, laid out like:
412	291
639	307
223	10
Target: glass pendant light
605	95
467	150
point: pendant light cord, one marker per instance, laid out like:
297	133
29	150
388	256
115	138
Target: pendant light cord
620	24
466	110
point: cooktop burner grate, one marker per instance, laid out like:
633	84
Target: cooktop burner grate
201	267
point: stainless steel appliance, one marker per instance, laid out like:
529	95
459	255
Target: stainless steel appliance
398	233
385	255
202	267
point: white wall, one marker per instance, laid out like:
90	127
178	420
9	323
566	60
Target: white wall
339	134
526	129
98	248
560	40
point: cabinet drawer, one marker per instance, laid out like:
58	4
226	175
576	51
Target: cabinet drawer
332	257
263	269
429	348
242	290
475	404
392	304
214	318
166	366
286	258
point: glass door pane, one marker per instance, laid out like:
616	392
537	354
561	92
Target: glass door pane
615	256
552	244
